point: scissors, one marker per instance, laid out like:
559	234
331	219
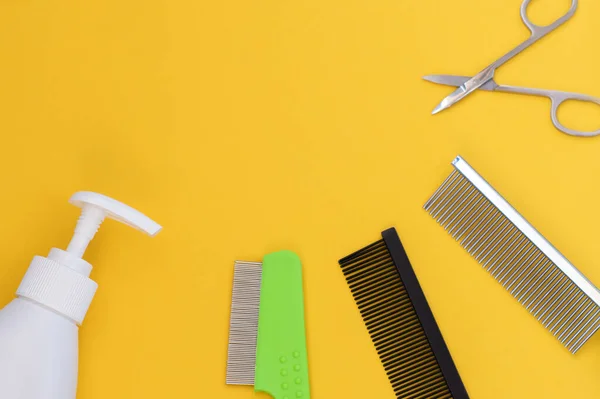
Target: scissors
468	85
557	97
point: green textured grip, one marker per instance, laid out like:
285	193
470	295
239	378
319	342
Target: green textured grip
281	356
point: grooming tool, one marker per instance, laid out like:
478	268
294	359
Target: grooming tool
267	341
517	255
557	97
402	327
537	32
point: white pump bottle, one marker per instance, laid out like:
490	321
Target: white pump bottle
39	329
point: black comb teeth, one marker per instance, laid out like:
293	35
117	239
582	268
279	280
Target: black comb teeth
400	322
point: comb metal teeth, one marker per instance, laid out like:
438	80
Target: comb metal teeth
517	256
243	327
416	360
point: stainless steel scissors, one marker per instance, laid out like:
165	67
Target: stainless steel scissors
537	32
557	97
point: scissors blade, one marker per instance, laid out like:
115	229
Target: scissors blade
466	88
457	81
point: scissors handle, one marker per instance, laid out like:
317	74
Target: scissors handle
558	98
538	31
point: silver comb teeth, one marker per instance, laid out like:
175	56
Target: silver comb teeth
243	327
517	255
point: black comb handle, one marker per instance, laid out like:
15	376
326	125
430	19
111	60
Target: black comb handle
417	297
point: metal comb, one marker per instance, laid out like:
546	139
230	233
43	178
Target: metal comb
267	334
517	255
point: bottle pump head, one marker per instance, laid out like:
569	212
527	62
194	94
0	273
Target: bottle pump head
94	209
61	281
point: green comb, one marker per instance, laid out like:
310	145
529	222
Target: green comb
267	340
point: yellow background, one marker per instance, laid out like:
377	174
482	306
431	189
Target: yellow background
246	127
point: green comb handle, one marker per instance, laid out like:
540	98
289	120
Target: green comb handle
281	356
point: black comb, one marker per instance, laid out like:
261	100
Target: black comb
402	327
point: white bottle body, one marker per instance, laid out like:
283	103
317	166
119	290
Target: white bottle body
38	352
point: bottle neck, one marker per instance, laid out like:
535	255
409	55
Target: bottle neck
58	287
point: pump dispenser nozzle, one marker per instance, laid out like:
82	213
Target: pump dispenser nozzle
94	208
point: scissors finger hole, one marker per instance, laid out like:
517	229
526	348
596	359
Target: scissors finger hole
543	13
582	116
